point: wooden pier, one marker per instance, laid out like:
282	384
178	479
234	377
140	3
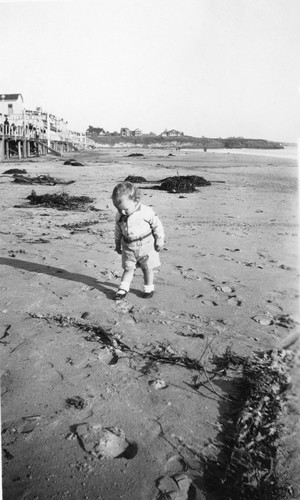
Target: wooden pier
25	133
20	142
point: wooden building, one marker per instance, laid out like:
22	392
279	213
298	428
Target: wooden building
171	133
11	103
125	132
25	133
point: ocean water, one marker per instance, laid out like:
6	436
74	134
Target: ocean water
288	152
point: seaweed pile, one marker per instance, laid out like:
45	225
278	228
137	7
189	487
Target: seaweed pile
183	183
73	163
39	179
134	155
246	466
60	201
135	179
15	171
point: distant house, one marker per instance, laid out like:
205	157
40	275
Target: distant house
171	133
125	132
11	104
95	130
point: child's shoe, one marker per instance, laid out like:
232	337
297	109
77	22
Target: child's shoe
148	291
120	295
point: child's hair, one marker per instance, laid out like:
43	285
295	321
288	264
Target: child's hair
126	189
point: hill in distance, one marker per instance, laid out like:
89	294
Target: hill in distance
187	142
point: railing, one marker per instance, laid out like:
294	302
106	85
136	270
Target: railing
16	132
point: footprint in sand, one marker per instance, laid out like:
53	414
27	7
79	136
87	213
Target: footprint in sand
234	301
190	273
287	268
175	464
106	356
263	319
225	288
266	319
209	303
124	306
225	257
251	264
86	288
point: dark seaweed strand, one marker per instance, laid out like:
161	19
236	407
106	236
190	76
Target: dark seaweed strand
76	225
97	334
246	466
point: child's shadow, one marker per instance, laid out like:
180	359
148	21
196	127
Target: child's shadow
102	286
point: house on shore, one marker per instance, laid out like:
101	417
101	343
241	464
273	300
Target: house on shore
125	132
26	133
172	133
11	104
95	130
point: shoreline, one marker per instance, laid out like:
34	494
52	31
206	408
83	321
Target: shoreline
288	152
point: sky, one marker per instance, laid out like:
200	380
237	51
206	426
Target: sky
213	68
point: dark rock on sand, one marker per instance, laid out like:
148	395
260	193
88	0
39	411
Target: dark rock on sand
102	442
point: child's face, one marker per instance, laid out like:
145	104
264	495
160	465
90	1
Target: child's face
125	205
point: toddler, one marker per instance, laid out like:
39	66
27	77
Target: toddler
139	236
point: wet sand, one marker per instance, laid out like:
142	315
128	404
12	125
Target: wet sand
229	272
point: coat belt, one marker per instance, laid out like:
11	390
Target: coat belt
133	240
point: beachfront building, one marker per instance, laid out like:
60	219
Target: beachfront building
10	104
125	132
171	133
95	130
25	132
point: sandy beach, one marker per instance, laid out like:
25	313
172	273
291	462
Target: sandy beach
140	375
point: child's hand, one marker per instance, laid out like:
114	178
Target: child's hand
158	245
118	249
